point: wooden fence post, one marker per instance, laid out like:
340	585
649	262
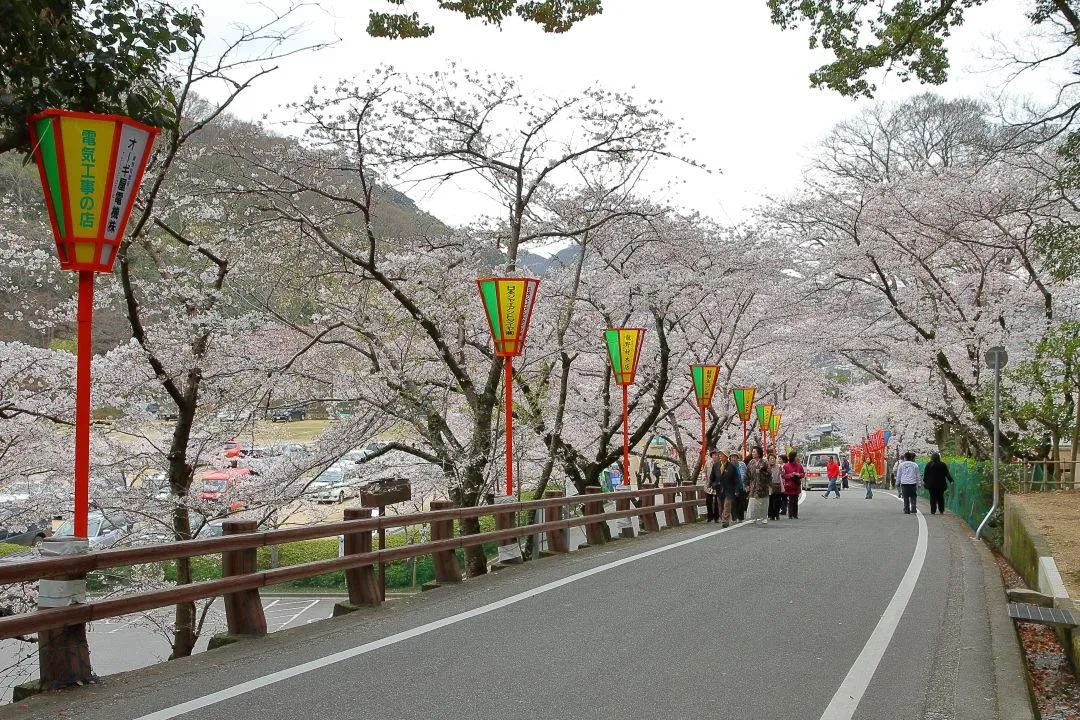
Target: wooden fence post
689	494
509	550
594	531
63	653
671	517
557	540
648	516
243	609
447	569
626	524
363	586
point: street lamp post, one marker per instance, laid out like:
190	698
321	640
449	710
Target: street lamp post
764	416
744	403
90	166
508	305
704	377
624	351
996	358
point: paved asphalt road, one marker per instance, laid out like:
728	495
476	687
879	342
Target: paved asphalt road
751	622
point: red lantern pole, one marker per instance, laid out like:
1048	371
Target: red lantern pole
625	435
509	382
82	402
703	438
744	440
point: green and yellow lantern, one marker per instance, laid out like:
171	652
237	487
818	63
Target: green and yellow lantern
90	167
624	351
704	377
774	425
508	305
744	404
764	415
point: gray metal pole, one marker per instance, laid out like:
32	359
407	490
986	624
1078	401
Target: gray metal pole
997	423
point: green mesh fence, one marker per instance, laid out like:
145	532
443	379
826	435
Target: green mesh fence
971	493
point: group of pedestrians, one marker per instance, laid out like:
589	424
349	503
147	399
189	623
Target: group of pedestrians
935	478
769	487
766	488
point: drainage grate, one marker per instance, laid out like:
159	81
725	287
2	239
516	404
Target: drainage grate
1044	615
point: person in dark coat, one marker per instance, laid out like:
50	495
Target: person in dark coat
730	484
936	478
712	486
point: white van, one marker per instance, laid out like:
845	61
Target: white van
815	464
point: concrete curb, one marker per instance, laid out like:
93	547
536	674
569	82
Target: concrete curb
1014	701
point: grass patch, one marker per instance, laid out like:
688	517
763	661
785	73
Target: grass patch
9	548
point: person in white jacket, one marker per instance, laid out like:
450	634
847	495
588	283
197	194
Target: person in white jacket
907	479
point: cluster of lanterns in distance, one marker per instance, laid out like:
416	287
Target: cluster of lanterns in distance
508	305
768	417
871	449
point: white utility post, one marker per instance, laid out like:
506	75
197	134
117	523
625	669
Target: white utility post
996	358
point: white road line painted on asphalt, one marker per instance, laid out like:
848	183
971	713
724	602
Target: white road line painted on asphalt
307	607
849	694
276	677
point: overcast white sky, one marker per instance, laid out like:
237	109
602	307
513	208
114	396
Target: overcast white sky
738	84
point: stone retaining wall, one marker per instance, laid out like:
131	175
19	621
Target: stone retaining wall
1030	554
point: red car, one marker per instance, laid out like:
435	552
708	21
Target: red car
225	484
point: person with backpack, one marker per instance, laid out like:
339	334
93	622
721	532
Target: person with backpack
936	479
793	474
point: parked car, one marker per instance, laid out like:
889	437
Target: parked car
332	485
226	484
815	465
361	453
104	529
28	536
287	414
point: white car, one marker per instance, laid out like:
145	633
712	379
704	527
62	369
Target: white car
816	464
332	486
103	529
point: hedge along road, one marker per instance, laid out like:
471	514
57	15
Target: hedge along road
745	622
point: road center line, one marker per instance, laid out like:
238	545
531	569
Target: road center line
849	694
291	672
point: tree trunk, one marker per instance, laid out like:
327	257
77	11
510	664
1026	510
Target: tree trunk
184	635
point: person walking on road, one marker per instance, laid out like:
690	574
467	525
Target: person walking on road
832	471
742	496
760	488
729	489
776	486
712	486
793	474
868	473
845	472
936	478
907	479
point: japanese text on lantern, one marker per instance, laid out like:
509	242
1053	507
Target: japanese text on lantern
510	311
88	158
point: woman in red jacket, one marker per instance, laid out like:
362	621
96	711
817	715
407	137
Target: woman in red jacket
793	473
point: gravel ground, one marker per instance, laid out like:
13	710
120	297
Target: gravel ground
1056	689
